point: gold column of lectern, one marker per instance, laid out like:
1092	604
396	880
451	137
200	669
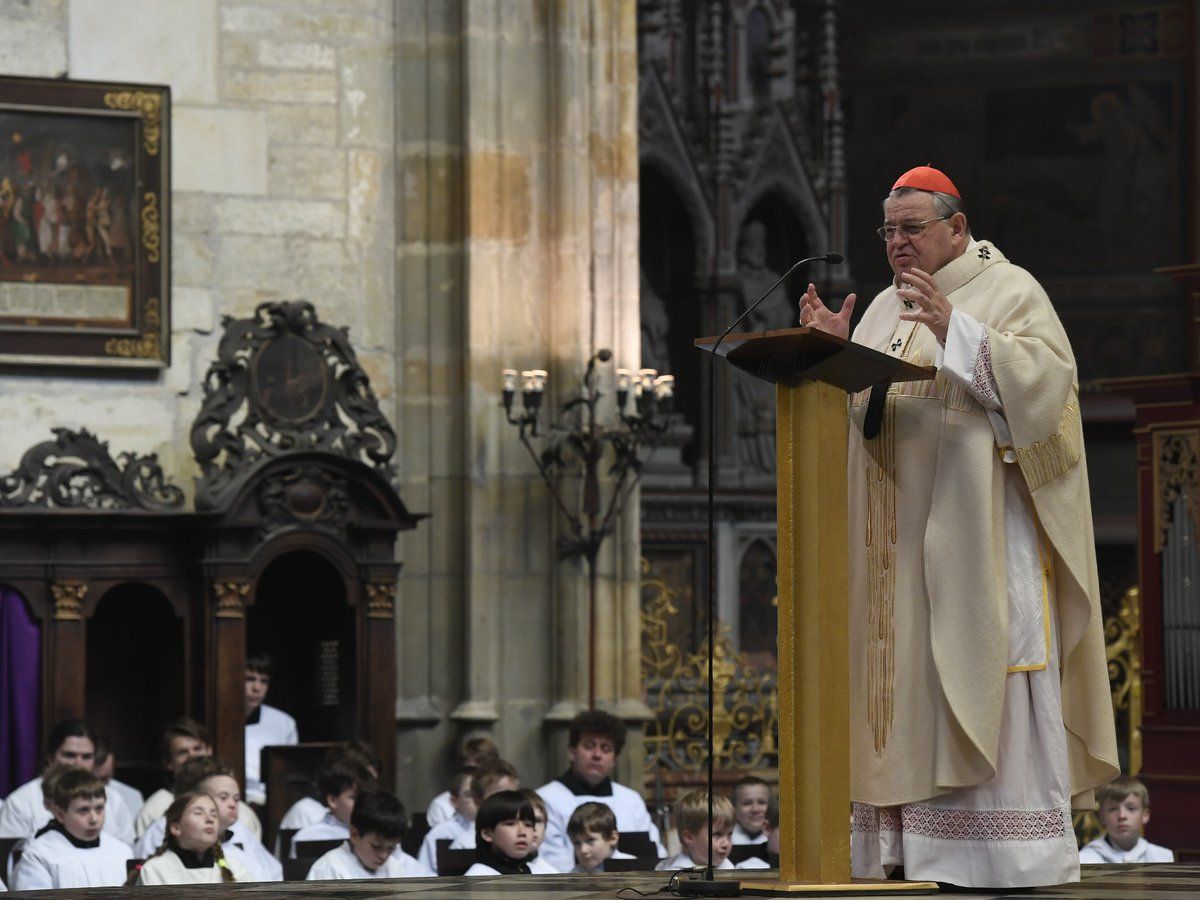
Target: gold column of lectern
813	371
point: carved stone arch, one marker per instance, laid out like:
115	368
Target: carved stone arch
699	215
778	36
740	12
663	145
778	168
749	539
757	613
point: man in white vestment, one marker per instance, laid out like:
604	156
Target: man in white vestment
980	710
594	742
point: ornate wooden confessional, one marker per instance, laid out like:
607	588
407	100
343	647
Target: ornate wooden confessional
147	611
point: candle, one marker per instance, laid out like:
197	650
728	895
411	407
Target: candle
664	387
510	380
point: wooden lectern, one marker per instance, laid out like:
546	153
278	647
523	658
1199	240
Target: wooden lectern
813	371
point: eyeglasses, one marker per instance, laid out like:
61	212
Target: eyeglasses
908	229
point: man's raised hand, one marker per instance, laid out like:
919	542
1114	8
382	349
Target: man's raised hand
814	312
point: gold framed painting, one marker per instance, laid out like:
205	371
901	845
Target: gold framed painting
84	224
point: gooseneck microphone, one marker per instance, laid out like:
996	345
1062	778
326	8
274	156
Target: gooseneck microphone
832	259
709	887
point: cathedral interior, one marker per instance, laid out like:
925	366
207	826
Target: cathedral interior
355	287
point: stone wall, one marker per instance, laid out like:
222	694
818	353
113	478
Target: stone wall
281	134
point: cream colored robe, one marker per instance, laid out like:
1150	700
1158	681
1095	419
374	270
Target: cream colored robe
928	601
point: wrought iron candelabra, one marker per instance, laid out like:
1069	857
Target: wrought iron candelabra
577	442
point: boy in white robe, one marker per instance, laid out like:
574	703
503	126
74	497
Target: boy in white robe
488	779
593	833
770	827
184	739
504	835
594	741
750	798
463	820
475	750
70	743
372	850
1124	811
266	726
72	851
699	837
310	810
339	785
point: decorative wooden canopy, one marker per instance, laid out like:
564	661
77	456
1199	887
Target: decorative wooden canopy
294	454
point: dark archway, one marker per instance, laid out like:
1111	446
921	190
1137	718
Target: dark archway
301	617
786	241
667	254
136	659
758	608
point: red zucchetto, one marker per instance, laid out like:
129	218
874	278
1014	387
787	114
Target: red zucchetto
927	178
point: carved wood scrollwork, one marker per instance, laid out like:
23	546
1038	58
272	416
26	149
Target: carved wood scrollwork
308	495
381	600
1176	467
231	599
68	600
284	381
76	471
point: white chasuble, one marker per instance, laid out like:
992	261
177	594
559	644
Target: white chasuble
978	684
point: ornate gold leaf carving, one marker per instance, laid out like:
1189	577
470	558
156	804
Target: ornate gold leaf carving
145	347
152	312
744	713
381	600
1123	648
231	599
149	105
68	600
151	227
1176	461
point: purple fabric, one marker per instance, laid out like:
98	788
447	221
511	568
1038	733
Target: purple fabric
20	691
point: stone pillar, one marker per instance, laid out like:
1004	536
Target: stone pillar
531	133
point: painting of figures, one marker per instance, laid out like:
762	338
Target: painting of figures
67	205
84	223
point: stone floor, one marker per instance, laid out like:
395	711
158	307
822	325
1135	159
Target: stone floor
1152	882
